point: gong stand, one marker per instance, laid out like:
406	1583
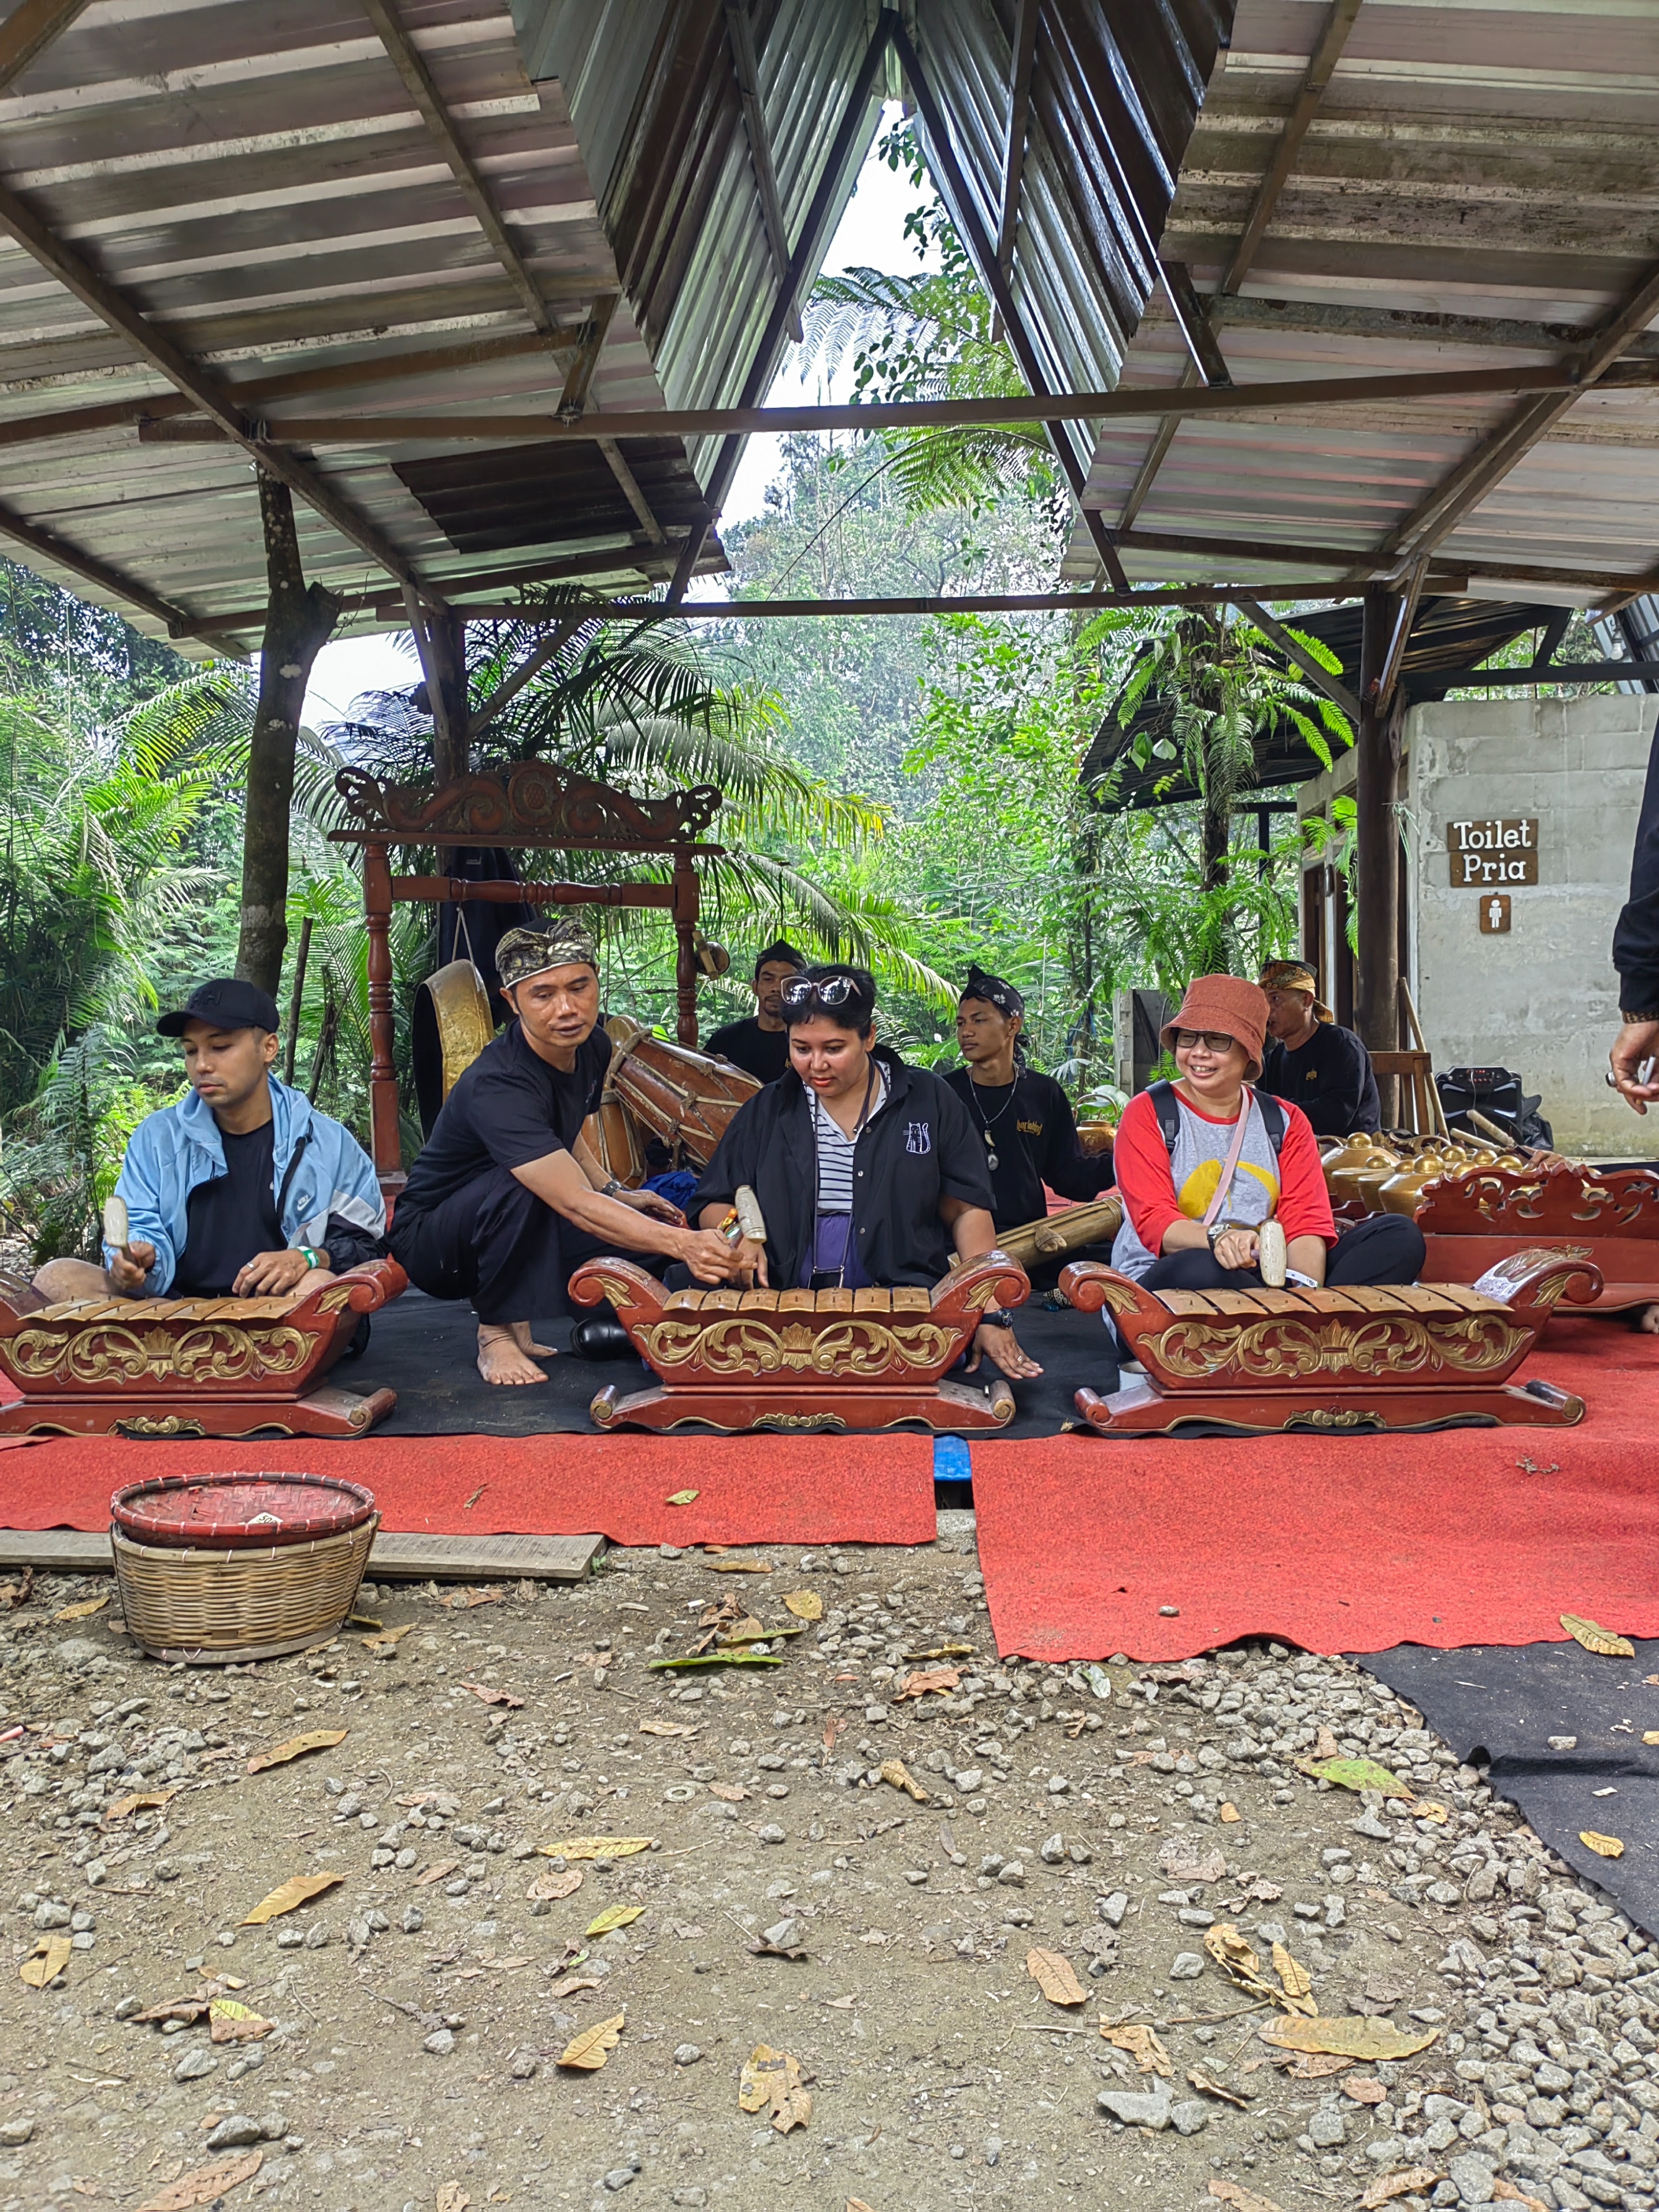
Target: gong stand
538	806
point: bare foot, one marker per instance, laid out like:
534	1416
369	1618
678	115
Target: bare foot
503	1360
525	1342
1649	1321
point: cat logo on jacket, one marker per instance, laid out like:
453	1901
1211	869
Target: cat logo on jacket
918	1137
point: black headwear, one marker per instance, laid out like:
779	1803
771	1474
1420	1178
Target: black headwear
995	992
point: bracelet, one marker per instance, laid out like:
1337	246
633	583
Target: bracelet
996	1317
1651	1015
313	1258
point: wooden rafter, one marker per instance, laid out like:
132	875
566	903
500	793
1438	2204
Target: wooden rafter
114	308
1349	563
1294	651
590	343
28	31
504	693
48	545
745	69
1023	63
1316	80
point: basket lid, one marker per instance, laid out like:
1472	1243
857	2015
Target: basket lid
239	1510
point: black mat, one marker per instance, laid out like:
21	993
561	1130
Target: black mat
426	1349
1497	1705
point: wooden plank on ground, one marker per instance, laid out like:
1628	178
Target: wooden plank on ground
394	1558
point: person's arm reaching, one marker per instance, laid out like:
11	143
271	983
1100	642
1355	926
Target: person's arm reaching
641	1201
559	1181
974	1233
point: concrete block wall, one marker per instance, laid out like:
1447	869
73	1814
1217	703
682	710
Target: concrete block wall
1542	999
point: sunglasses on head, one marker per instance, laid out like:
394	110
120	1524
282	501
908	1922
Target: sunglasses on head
801	990
1213	1041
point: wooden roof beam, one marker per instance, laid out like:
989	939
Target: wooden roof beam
48	545
114	308
967	602
1463	488
1023	64
745	69
1316	80
28	31
590	343
1295	651
983	253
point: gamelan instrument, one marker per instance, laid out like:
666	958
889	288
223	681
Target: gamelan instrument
1477	1206
1095	1221
192	1367
681	1096
450	1024
1424	1356
739	1359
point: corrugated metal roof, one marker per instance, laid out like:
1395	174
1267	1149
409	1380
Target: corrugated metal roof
257	180
1477	172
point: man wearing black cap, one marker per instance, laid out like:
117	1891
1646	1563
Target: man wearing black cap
760	1045
241	1190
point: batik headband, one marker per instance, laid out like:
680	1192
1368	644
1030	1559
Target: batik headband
991	988
523	953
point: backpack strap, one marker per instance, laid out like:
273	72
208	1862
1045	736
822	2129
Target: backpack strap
1167	1106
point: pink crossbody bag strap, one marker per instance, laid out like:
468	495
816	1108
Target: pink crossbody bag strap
1229	1166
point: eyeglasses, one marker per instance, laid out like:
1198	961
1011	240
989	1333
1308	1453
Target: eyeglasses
801	990
1212	1040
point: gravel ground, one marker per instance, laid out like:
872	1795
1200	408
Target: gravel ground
419	2015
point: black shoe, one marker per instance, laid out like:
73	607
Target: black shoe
601	1336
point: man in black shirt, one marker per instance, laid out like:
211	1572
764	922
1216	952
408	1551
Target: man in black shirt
867	1171
506	1199
1322	1067
759	1045
1024	1118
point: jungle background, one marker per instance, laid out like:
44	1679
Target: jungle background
904	791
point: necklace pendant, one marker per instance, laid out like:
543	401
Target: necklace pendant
991	1160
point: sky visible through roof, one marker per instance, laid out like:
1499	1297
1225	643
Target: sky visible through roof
870	234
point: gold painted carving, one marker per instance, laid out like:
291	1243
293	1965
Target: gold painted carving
1327	1416
174	1424
108	1354
1284	1350
851	1346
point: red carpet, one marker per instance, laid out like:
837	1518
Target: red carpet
1336	1544
751	1489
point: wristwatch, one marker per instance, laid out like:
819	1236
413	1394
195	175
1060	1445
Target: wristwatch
996	1317
611	1189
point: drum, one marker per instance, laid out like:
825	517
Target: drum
613	1136
683	1096
450	1026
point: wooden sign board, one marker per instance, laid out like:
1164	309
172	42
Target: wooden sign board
1494	914
1485	856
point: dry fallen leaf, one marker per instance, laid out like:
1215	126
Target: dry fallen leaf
299	1889
667	1728
773	2078
85	1610
451	2198
805	1605
572	1982
729	1793
19	1592
492	1697
590	2050
296	1747
1351	2036
1202	2082
142	1800
685	1497
857	2204
894	1771
942	1679
1325	1745
1412	2181
552	1886
1143	2045
1315	2066
46	1961
614	1915
236	2023
389	1638
1230	1812
435	1873
1242	2199
1365	2091
1604	1642
596	1847
746	1631
1650	1735
1236	1958
1185	1860
1053	1973
1605	1847
1295	1980
833	1727
185	2008
739	1566
205	2184
464	1601
1506	2192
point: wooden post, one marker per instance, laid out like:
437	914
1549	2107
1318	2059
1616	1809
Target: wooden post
298	620
685	960
1377	839
384	1142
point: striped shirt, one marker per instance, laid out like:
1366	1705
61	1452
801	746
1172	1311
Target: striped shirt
835	1150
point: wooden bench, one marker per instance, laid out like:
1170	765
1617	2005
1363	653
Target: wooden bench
1472	1221
1426	1356
193	1367
802	1359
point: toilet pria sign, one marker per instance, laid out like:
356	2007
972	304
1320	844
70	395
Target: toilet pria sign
1490	856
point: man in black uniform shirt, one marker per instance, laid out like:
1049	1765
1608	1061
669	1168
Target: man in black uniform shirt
759	1045
865	1171
1024	1118
506	1199
1313	1060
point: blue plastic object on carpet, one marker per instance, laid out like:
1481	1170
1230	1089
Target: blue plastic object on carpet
953	1483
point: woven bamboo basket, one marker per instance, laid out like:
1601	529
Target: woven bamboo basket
210	1608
